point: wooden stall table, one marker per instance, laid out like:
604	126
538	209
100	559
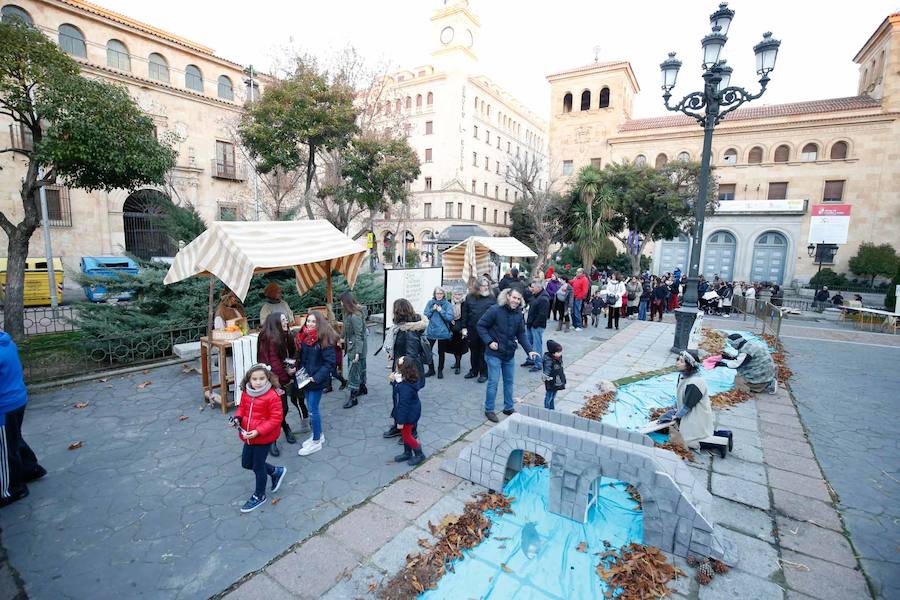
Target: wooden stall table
223	346
872	316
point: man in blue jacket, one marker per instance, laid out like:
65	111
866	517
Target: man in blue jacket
18	464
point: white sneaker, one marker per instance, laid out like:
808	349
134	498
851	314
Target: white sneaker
313	447
309	440
578	329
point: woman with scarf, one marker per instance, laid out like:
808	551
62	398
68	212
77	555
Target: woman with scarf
439	313
456	345
317	357
275	349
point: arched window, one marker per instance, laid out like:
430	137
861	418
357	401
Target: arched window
398	105
586	100
193	78
429	100
640	160
226	89
159	68
567	102
604	98
810	152
684	156
71	40
476	102
419	101
387	107
408	102
12	13
782	153
117	56
839	151
489	110
755	156
661	160
730	157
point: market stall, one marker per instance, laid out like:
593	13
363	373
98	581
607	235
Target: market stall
473	255
233	252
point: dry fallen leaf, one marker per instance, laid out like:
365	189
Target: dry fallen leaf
274	500
582	547
76	445
183	418
143	385
410	501
505	568
372	586
81	404
103	379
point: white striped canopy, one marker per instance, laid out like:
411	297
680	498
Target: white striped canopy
235	251
472	256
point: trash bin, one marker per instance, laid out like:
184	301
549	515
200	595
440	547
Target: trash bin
37	282
110	267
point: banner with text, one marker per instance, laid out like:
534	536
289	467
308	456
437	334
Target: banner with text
829	223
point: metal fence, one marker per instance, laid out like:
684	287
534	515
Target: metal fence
42	320
761	311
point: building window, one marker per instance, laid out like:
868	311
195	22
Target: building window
498	142
408	102
640	160
428	183
448	210
568	167
487	163
730	157
471	212
778	190
20	137
12	14
782	153
459	210
810	153
834	191
495	216
398	105
227	212
117	56
683	157
595	162
586	100
429	99
71	41
508	147
484	215
418	100
475	131
487	136
726	191
429	127
506	195
516	196
224	163
193	79
661	160
426	210
428	156
473	186
474	159
497	192
604	98
226	90
59	210
755	156
839	151
158	68
567	102
484	193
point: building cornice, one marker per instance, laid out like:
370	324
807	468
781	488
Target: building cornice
601	67
456	9
486	84
892	21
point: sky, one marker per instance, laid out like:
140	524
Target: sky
522	41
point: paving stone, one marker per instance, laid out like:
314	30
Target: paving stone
408	498
739	490
755	556
799	484
741	469
821	579
792	463
798	447
746	451
431	474
815	541
366	529
803	508
466	490
738	585
357	585
448	505
392	556
742	518
788	433
260	587
314	567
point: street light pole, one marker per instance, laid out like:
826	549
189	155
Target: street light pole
709	107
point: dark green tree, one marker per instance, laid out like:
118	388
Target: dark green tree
83	133
873	261
589	219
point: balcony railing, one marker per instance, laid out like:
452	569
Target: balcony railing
230	171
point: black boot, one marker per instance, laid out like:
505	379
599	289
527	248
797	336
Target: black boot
430	372
288	434
418	456
407	454
273	449
440	373
343	381
363	390
471	375
392	432
351	401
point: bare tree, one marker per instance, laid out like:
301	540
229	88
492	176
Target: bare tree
537	214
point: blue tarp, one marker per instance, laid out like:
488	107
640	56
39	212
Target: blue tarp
558	571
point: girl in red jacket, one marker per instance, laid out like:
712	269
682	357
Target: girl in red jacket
258	420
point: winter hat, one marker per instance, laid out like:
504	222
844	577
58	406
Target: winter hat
272	290
737	340
553	347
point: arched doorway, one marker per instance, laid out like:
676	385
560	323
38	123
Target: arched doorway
674	254
719	255
769	256
144	219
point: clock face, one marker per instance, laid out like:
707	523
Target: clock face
470	39
447	35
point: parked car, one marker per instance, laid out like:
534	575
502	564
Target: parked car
109	267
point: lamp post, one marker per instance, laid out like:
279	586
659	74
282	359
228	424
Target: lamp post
821	252
708	107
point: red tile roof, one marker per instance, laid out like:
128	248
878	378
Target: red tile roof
760	112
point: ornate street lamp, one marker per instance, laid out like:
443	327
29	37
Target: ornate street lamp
708	107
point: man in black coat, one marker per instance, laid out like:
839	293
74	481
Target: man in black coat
473	308
536	322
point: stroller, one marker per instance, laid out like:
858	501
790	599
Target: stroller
711	303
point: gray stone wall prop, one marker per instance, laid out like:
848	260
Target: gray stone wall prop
677	508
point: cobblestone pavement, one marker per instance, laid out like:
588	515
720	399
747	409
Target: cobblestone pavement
845	394
769	498
148	506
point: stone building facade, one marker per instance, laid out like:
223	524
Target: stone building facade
185	87
773	163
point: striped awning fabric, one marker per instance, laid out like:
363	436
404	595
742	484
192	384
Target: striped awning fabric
473	255
235	251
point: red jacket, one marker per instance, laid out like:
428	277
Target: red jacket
262	414
273	354
580	287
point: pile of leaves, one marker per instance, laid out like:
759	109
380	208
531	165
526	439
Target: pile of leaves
729	398
453	534
713	341
641	572
782	373
656	413
635	495
707	568
530	459
596	406
683	451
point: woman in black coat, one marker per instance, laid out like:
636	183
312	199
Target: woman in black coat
407	342
477	302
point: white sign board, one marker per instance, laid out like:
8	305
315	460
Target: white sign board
696	333
416	285
829	224
762	206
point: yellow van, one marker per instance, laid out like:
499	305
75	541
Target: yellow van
37	284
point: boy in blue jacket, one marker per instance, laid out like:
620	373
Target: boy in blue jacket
18	464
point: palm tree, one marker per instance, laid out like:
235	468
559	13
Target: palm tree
589	215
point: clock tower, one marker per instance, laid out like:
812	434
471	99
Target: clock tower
456	35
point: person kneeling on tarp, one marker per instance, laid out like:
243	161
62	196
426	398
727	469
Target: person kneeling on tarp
693	408
753	363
